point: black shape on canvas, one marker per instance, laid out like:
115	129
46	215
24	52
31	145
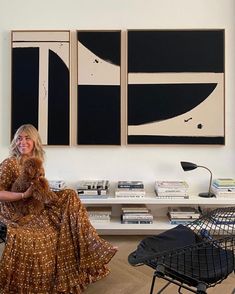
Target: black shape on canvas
105	44
176	51
25	76
58	101
147	139
99	115
157	102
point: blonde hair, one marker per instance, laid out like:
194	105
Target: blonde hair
32	132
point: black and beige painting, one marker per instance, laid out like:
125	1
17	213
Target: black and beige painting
176	87
41	83
98	103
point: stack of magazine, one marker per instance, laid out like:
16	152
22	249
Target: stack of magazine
99	214
57	185
171	189
182	215
223	187
136	214
130	189
96	189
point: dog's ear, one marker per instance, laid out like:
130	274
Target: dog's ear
40	172
31	167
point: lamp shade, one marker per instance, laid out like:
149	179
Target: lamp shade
188	165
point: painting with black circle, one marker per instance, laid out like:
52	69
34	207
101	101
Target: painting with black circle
176	87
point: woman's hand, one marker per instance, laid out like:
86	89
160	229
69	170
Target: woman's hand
28	192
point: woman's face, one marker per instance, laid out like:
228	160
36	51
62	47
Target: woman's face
25	144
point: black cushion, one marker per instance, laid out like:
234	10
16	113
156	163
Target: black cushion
179	236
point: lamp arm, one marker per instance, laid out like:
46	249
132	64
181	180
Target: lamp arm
210	177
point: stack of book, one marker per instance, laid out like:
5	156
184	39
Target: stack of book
99	214
171	189
182	215
130	189
57	185
93	189
137	214
223	187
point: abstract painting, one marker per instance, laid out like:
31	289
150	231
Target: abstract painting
175	87
41	83
98	89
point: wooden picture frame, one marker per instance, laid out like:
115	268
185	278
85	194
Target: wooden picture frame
176	87
41	83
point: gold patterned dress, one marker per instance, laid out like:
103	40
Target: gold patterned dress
57	251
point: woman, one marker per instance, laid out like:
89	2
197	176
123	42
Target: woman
57	251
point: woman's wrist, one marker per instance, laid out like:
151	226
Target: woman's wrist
22	195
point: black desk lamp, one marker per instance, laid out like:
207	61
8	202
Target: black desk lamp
190	166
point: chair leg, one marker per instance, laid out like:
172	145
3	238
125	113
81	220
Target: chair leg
163	288
152	285
179	290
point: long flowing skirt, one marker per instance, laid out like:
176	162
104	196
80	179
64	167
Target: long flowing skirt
57	251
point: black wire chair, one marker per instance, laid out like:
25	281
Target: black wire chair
195	256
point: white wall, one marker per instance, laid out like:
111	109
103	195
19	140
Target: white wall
124	162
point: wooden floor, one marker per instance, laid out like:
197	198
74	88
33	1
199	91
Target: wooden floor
125	279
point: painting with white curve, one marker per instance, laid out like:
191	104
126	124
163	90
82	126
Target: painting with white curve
98	100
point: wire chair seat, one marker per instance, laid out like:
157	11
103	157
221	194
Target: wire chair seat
194	256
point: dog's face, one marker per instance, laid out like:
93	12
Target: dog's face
33	168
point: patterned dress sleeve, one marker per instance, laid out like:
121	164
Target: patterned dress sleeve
9	171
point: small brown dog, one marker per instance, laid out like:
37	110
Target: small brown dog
32	173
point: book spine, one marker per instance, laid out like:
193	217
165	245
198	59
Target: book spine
222	184
130	193
99	216
136	222
83	196
99	213
100	220
92	192
171	184
172	197
172	193
138	217
135	211
129	196
179	222
193	216
123	186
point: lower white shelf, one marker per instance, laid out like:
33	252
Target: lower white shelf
158	208
115	227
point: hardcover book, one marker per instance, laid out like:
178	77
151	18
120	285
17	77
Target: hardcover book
93	185
131	184
224	182
171	184
125	192
57	185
